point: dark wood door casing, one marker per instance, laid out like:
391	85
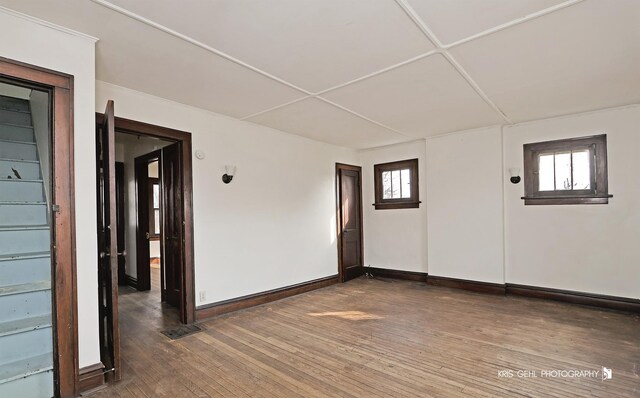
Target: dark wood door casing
143	229
63	238
187	302
349	221
172	220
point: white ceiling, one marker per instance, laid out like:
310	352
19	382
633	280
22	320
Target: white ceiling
364	73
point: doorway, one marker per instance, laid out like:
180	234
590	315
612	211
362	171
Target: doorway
158	225
349	221
37	222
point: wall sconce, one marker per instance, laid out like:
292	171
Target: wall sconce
515	175
228	176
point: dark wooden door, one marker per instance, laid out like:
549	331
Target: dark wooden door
107	244
143	258
350	248
173	223
120	208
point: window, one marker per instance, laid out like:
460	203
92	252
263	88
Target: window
154	214
571	171
396	185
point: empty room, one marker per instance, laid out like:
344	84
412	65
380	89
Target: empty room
319	198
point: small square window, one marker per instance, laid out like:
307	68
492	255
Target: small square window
571	171
396	185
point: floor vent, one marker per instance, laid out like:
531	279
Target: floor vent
181	331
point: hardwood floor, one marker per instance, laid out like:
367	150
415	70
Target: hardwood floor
379	338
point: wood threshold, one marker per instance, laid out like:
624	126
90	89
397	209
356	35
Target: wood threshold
223	307
91	377
131	281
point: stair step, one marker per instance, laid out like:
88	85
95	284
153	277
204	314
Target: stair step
27	170
12	132
17	271
23	227
25	325
15	118
37	385
20	189
26	367
17	346
23	213
14	104
18	306
25	288
24	256
18	150
24	239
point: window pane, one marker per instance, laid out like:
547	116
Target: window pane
386	185
563	171
156	196
406	183
395	184
545	173
581	170
156	227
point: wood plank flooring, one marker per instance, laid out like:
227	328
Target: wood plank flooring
379	338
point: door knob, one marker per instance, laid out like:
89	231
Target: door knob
147	235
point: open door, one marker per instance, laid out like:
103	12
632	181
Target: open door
107	245
173	224
143	235
120	209
349	220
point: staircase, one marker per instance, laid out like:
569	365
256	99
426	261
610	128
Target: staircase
26	358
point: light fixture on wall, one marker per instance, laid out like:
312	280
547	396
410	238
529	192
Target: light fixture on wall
515	175
228	176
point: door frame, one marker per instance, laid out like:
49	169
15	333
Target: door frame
142	203
63	225
358	169
187	298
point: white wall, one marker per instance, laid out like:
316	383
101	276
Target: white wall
588	248
464	205
394	238
40	44
274	224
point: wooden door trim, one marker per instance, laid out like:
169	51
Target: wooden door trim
358	169
143	279
188	301
64	293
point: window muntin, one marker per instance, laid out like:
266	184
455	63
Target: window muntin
571	171
396	185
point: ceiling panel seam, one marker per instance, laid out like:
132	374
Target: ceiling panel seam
440	49
411	13
195	42
509	24
363	117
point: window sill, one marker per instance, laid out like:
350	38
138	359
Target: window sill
567	200
396	205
